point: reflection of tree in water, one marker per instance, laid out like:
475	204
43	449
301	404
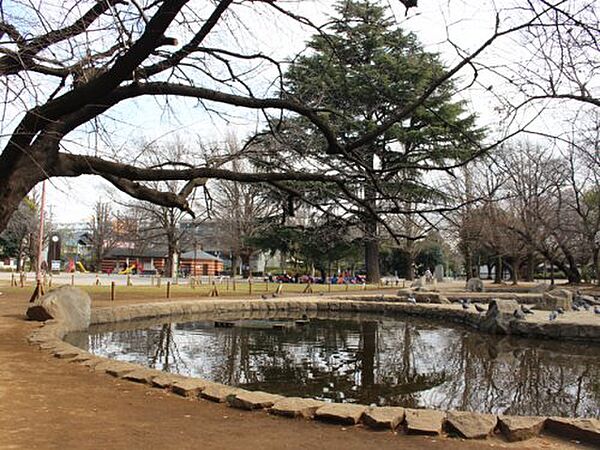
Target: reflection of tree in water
166	355
390	362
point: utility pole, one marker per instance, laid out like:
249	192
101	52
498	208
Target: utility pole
38	269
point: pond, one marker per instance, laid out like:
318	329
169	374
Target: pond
399	361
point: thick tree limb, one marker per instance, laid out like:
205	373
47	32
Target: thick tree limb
154	196
75	165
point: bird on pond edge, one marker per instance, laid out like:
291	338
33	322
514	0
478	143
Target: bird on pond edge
526	310
519	314
553	316
480	308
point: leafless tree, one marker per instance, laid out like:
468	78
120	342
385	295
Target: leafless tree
64	70
241	210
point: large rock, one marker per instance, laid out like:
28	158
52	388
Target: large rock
431	297
499	316
69	305
296	407
475	285
404	292
540	288
424	421
384	417
471	425
587	430
341	413
556	298
519	428
418	283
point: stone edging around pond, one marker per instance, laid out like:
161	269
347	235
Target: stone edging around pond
412	421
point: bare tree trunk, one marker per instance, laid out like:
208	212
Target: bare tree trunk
468	263
498	274
596	257
245	264
515	272
530	267
372	261
371	241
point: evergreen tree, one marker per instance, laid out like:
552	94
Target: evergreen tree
362	70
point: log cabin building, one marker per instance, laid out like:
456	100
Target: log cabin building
151	261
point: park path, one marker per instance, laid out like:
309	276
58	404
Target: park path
47	403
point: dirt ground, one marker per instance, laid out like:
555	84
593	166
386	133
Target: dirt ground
48	403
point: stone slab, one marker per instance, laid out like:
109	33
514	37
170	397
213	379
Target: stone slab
189	387
144	376
253	400
556	298
385	417
471	425
92	362
166	380
340	413
82	357
218	392
66	354
296	407
119	370
587	430
520	428
424	421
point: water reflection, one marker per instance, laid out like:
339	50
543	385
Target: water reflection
389	361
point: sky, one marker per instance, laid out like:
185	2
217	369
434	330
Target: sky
466	23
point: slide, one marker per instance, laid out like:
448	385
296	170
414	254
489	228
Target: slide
81	267
127	271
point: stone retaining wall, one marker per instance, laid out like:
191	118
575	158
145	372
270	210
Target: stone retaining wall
413	421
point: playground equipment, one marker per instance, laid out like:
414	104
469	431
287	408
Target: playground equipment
128	270
81	267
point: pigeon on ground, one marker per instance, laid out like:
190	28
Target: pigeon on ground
526	310
553	316
519	314
597	309
465	305
480	308
411	300
263	296
559	310
574	307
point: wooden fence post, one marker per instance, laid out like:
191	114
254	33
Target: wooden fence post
112	291
168	289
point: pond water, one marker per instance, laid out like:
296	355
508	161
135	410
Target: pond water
370	359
